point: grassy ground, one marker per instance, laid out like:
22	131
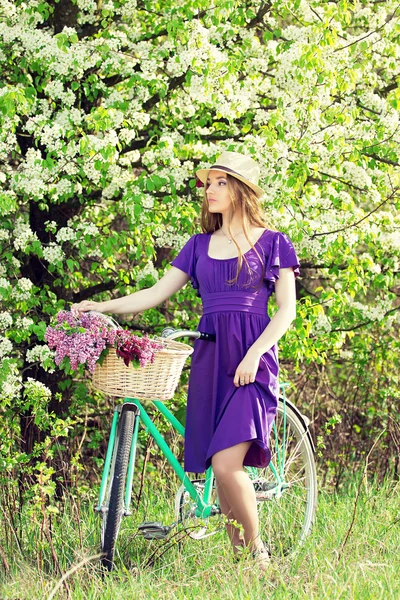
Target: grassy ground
341	559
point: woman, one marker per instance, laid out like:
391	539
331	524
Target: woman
235	265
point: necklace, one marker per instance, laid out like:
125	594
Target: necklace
230	240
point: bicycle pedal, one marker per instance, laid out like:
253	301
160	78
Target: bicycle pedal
264	486
154	530
265	490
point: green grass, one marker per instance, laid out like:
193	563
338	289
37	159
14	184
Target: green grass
367	567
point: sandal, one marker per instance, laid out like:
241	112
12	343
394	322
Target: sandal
262	557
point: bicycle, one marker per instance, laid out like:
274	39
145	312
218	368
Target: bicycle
286	490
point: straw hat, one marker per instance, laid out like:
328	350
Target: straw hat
237	165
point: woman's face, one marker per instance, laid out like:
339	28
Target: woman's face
218	198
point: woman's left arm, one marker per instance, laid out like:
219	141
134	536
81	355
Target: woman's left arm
285	291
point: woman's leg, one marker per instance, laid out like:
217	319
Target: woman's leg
232	531
238	491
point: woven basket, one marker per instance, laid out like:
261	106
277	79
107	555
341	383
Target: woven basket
155	381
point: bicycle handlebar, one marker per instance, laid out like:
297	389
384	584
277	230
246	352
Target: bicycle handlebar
172	334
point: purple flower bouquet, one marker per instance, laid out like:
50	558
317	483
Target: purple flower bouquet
86	339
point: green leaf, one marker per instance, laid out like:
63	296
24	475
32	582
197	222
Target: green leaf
150	185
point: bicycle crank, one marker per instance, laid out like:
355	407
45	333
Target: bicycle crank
154	530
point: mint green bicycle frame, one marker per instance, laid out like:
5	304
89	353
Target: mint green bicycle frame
204	509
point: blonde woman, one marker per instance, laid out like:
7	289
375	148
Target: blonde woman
235	264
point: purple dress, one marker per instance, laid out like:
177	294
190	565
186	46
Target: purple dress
220	415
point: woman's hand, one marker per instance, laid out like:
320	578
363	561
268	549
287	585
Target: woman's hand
247	369
87	305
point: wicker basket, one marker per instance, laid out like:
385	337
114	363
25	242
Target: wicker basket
155	381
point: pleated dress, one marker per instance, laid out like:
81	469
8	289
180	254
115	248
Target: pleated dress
220	415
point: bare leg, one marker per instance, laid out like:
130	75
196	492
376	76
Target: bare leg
232	531
238	491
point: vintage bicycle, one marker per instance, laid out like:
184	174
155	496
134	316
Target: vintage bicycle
286	490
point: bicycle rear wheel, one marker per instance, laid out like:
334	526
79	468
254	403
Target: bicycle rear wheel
114	506
287	508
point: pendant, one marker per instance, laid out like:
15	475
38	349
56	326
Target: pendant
229	241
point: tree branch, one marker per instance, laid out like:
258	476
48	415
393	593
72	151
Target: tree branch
94	289
387	161
262	11
359	325
136	144
164	31
386	90
173	84
356	222
308	265
355	187
370	32
383	141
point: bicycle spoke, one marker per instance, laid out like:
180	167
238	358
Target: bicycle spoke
286	519
295	475
290	494
295	452
297	482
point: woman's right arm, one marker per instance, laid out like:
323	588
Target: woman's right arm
173	280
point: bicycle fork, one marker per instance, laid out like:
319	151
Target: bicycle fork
108	469
203	510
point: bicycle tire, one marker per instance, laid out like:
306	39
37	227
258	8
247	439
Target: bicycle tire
286	518
115	493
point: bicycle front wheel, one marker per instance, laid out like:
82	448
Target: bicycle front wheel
114	507
286	491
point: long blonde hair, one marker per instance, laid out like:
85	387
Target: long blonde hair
245	199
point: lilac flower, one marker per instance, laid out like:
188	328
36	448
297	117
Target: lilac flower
80	338
83	338
139	350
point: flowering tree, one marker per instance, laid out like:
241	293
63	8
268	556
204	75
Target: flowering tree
106	110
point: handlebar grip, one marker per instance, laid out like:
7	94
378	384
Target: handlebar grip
210	337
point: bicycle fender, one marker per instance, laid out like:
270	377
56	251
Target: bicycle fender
301	418
128	406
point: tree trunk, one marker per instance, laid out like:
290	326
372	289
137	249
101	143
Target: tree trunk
65	15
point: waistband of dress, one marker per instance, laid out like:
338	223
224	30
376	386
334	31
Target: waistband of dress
234	301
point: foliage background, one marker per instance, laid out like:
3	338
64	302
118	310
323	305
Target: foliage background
106	109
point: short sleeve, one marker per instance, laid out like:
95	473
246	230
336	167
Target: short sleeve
187	259
280	254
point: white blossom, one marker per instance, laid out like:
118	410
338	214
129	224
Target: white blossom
23	323
22	289
4	283
41	354
23	234
36	388
11	386
53	253
373	313
25	284
168	237
357	175
5	320
65	234
51	226
321	325
5	346
4	235
87	228
148	269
